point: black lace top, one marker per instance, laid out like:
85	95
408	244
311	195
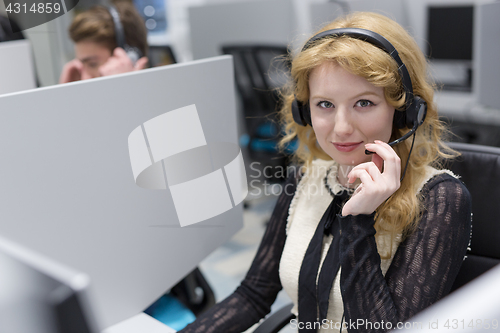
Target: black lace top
422	272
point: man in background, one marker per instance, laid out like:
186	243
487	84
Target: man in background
108	40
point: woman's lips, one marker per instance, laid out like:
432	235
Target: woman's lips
346	147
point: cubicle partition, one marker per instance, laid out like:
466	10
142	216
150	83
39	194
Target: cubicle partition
69	169
270	22
322	13
486	52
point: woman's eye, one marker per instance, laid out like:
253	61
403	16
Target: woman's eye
364	103
325	104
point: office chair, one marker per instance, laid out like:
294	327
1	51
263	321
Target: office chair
479	168
259	71
193	293
189	298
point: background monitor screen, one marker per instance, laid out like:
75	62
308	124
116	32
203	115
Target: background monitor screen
17	66
38	295
449	32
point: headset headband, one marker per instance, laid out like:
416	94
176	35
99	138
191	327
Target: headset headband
119	33
416	107
133	52
376	40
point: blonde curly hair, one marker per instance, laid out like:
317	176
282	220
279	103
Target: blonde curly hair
401	211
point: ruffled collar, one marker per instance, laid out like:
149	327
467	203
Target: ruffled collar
331	181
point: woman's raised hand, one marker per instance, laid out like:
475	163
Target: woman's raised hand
380	178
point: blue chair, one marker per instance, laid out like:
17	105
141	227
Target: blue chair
184	302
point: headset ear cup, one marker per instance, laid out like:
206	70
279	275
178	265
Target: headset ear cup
133	53
411	115
301	113
296	113
399	119
421	106
306	114
416	112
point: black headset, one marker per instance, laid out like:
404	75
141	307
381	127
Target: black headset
133	52
415	107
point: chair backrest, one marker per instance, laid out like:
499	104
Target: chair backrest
259	70
479	168
257	73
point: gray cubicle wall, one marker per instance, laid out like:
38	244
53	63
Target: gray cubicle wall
16	66
487	54
244	22
67	188
323	13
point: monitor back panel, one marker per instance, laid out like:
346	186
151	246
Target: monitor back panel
263	22
51	295
17	66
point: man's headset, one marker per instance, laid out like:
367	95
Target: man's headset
133	52
415	107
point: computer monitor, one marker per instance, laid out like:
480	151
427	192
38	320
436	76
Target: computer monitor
450	32
450	44
39	295
240	23
69	189
17	66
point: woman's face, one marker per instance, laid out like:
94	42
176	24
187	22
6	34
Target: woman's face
347	112
92	55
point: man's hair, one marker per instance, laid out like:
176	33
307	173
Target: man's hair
96	25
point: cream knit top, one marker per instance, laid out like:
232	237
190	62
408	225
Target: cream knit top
306	209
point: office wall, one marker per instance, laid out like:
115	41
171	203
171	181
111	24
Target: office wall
324	12
486	54
178	27
292	21
258	22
